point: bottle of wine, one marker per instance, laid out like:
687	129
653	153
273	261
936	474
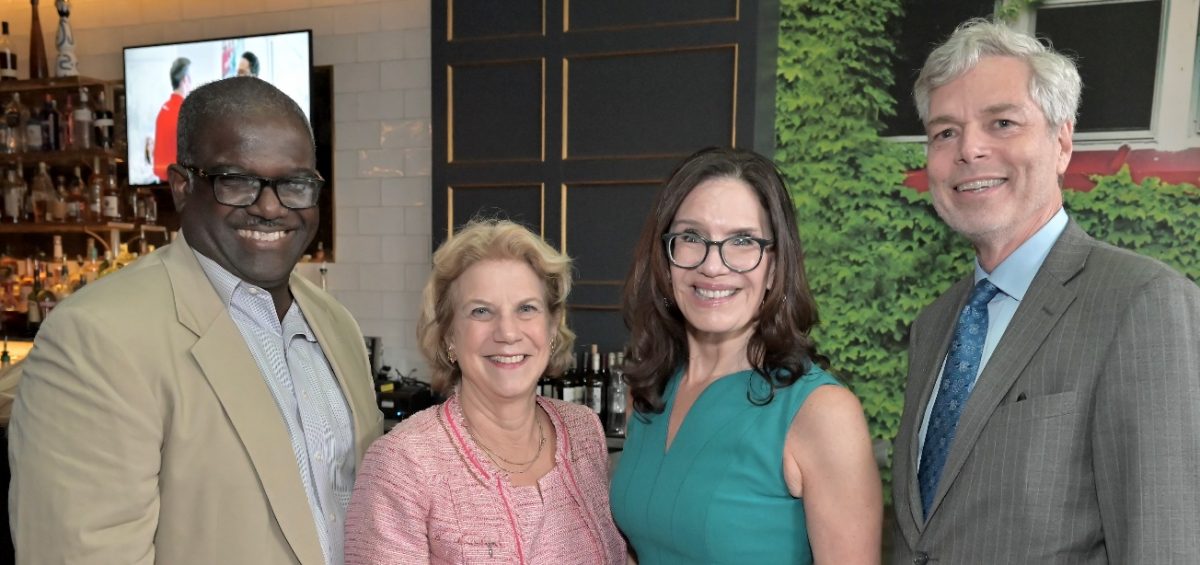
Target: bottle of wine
111	194
14	140
104	123
41	194
95	193
51	125
82	128
14	197
616	396
76	201
596	383
38	67
8	59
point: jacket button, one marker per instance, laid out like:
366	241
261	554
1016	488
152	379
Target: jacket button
921	559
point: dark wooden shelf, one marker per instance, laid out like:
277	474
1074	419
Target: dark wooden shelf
65	158
55	83
55	228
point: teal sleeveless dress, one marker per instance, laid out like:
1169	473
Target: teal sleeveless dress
718	495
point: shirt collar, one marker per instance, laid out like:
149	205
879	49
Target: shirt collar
1014	275
229	286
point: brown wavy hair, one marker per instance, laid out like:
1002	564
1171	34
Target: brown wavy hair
780	348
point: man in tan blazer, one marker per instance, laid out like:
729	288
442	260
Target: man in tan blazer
1052	412
162	418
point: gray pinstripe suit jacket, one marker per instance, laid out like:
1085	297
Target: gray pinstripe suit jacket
1081	440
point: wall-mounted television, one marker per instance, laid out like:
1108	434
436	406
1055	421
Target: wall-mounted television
158	77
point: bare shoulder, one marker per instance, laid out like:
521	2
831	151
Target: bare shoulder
828	406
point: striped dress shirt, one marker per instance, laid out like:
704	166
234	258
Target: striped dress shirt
307	394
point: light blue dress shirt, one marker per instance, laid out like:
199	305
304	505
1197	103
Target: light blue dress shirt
1013	277
308	397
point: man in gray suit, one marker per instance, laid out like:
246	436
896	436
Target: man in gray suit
1052	412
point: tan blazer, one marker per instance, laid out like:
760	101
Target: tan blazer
1081	440
143	431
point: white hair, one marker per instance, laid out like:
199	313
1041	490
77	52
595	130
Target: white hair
1054	83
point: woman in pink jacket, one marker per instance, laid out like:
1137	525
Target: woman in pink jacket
495	474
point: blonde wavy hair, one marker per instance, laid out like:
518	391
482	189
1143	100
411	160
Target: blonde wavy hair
481	240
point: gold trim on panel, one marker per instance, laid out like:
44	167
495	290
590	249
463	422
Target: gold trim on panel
449	114
566	82
737	16
541	158
733	112
541	186
562	222
450	28
594	307
614	54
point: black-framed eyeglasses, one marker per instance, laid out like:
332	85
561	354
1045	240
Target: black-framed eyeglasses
741	253
240	189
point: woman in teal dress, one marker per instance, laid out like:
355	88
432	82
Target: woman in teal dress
742	449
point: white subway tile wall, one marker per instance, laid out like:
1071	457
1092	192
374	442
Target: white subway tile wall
379	50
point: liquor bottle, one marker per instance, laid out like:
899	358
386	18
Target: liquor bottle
5	358
91	270
66	134
51	125
149	206
81	130
617	395
14	140
32	118
103	124
38	67
46	299
62	287
596	382
583	379
76	202
111	194
33	313
95	194
58	208
8	62
567	383
41	194
14	197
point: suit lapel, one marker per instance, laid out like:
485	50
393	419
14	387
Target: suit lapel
1047	299
238	384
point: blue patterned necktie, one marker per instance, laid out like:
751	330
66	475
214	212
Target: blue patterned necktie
962	366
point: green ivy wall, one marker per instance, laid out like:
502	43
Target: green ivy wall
876	251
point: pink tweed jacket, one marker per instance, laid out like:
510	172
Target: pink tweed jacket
426	494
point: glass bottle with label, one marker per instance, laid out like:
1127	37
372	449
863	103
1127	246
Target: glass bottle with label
58	208
14	197
95	193
104	123
76	202
14	140
8	59
617	397
32	118
41	194
82	128
51	125
111	196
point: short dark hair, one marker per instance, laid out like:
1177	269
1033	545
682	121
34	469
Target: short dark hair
179	71
251	58
233	96
780	348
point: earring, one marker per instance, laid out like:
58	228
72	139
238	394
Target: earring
553	344
450	354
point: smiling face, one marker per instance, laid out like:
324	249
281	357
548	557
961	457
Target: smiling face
500	329
720	304
259	243
993	160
